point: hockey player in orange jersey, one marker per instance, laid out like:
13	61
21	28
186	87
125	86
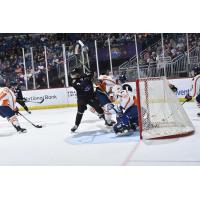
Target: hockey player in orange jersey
8	108
105	97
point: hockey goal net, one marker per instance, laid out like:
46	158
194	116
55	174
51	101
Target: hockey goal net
161	114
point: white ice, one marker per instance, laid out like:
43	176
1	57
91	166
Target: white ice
52	145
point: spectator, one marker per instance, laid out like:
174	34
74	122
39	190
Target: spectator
11	55
18	69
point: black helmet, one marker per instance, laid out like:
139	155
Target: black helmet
196	70
127	87
75	73
122	78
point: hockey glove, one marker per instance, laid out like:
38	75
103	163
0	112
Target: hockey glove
188	98
24	99
16	110
120	112
21	99
173	88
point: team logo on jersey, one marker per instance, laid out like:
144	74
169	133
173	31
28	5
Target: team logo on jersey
88	88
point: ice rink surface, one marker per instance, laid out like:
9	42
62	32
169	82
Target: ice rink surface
93	144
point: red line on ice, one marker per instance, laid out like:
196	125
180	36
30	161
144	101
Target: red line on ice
131	154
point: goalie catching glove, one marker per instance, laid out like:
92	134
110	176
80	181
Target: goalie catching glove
188	97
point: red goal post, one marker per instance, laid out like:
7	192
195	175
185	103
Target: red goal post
160	113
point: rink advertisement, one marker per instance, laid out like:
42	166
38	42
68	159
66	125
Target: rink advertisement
66	97
183	85
53	98
71	96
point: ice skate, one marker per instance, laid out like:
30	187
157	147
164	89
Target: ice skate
109	123
20	130
73	129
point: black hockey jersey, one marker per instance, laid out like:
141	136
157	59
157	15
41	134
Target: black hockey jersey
83	87
18	93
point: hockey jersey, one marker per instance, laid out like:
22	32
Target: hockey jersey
18	93
127	99
195	86
107	83
84	88
7	98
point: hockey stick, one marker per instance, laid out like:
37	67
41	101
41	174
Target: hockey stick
35	125
35	101
185	101
176	110
170	114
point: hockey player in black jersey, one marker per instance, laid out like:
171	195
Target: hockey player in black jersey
83	85
19	96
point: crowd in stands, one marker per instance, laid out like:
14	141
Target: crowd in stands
117	39
174	45
11	57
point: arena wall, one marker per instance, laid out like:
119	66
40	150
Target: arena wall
66	97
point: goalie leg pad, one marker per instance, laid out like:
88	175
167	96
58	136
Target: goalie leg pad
132	114
120	127
127	121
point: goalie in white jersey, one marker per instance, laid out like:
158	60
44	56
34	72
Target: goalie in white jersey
127	119
195	91
8	108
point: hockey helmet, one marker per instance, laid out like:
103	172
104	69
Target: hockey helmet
122	78
127	87
196	70
75	73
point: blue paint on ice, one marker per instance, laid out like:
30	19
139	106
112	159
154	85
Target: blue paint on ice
99	137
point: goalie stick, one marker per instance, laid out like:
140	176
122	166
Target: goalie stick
35	125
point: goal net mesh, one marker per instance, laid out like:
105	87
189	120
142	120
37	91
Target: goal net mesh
161	113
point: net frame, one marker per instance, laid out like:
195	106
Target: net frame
149	128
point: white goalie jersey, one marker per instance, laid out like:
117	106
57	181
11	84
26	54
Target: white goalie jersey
126	99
